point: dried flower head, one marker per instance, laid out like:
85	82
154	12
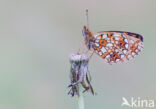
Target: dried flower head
79	74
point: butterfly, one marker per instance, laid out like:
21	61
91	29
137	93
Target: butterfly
113	46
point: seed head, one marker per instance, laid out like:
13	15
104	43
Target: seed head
79	74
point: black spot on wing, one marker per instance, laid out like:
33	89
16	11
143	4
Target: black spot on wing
140	37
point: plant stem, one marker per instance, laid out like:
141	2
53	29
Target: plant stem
80	98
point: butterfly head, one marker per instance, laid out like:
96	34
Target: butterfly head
86	32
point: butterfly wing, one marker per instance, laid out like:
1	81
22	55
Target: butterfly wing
117	46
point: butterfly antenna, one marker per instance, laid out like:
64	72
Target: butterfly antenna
87	18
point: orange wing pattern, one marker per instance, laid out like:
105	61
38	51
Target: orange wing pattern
117	46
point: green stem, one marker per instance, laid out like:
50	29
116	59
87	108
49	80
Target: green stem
81	98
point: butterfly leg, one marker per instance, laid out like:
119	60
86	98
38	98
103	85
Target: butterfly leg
91	54
82	44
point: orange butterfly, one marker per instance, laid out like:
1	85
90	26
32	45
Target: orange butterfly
113	46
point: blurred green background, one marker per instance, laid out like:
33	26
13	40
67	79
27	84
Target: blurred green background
37	37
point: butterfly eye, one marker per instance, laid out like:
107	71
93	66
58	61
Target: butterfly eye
86	32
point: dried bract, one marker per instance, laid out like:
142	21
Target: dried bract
79	74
